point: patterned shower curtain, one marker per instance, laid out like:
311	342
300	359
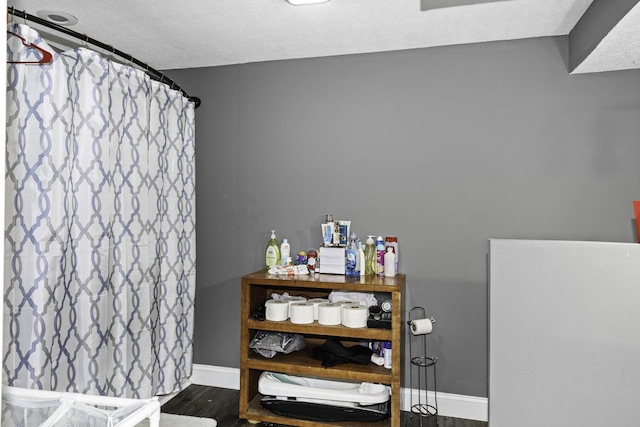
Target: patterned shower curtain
99	226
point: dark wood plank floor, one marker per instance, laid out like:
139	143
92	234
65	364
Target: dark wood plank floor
222	405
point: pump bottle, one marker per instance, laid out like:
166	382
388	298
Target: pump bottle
272	254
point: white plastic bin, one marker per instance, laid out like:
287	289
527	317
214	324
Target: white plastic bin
25	408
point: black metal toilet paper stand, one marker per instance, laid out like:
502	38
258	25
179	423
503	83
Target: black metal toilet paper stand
420	365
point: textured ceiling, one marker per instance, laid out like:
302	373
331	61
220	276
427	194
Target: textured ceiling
619	49
170	34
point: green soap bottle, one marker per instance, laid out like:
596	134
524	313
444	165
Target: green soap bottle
272	255
370	256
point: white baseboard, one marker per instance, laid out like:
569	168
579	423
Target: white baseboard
216	376
449	405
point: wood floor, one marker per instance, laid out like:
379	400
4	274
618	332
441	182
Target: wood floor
222	405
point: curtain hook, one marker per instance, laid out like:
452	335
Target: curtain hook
109	53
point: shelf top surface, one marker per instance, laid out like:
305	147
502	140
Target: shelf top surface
320	280
316	329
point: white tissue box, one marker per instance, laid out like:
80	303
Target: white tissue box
332	260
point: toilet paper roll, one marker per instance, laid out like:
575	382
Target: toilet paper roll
421	326
301	312
355	316
292	300
316	302
346	304
276	310
329	314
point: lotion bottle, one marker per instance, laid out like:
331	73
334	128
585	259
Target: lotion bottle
389	263
392	241
285	251
361	260
272	254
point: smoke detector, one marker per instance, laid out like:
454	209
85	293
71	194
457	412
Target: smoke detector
57	17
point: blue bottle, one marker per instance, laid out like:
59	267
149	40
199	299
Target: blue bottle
351	258
380	256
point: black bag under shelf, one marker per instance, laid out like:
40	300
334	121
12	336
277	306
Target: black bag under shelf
311	411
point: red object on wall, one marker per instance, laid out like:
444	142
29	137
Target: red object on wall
636	209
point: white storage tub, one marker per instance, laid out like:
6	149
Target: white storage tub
24	408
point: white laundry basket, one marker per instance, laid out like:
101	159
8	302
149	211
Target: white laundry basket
38	408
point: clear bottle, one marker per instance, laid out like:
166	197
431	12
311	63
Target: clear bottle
285	251
351	258
380	256
370	256
272	254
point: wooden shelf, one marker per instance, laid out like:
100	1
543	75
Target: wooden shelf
256	412
369	283
258	287
301	363
317	329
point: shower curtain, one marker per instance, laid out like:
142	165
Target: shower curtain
99	226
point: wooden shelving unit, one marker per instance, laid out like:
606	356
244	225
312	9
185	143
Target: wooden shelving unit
258	287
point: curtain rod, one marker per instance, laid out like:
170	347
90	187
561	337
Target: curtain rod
153	73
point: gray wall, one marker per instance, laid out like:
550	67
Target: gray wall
563	326
443	147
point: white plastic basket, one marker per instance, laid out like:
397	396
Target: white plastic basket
38	408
